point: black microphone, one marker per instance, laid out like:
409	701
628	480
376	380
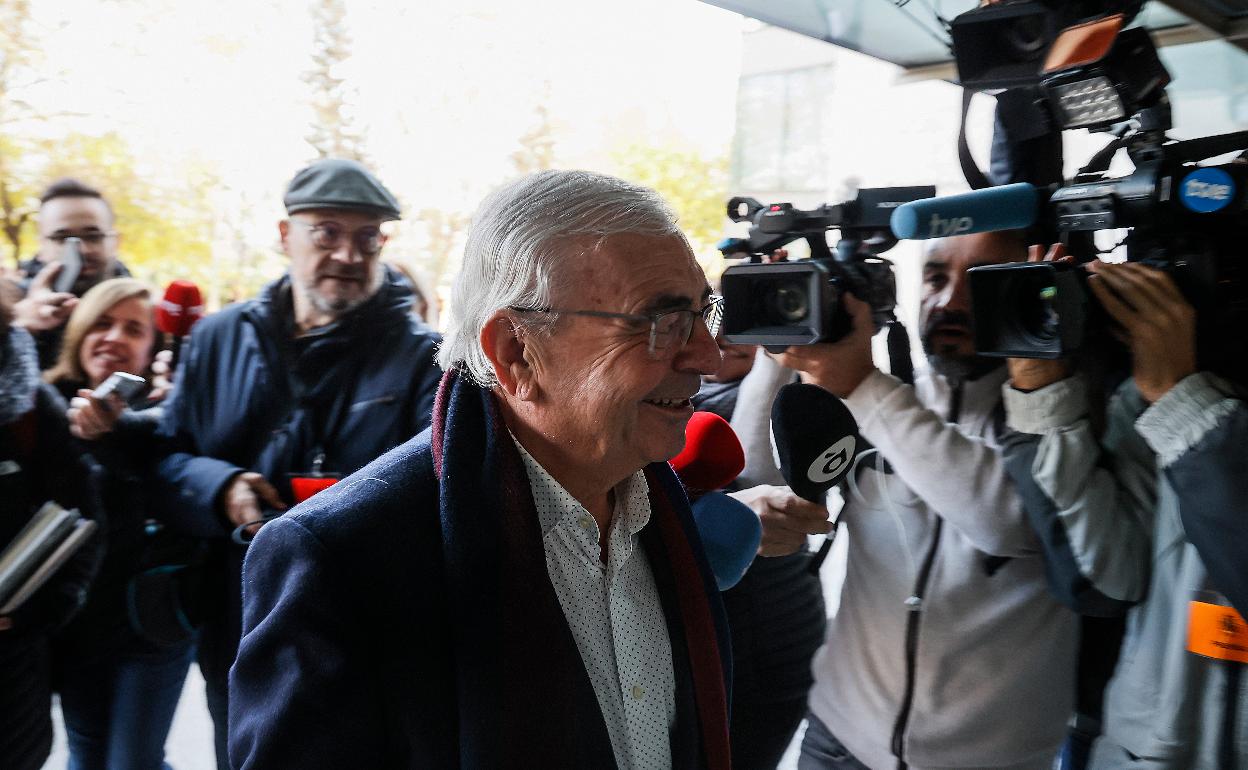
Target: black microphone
816	442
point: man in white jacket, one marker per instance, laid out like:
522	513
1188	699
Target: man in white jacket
947	649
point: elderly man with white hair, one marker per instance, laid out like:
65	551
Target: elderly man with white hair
522	584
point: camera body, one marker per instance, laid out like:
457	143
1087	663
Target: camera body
1187	219
1078	65
799	303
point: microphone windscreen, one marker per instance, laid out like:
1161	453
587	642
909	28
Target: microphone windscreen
731	534
712	456
1008	207
179	309
816	439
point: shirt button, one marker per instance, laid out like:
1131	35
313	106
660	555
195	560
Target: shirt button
638	692
586	522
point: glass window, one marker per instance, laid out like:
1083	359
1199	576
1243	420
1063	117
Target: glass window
779	138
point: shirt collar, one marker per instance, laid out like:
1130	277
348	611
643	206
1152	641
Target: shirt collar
632	498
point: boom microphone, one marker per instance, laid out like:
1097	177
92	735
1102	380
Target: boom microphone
730	531
177	312
1008	207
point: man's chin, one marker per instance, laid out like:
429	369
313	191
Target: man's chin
962	367
335	305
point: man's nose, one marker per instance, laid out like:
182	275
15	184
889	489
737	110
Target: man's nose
347	253
957	295
114	333
701	353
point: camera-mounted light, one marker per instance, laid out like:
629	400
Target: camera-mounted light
1098	74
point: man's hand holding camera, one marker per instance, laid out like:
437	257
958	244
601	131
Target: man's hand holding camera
1156	322
1159	324
838	367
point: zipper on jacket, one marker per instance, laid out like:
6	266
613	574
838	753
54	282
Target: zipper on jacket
915	606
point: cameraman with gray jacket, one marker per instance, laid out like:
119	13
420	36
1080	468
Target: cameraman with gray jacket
947	649
1152	513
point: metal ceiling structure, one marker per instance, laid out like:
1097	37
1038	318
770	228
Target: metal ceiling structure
911	33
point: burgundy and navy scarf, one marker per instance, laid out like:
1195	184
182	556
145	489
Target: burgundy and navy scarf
524	694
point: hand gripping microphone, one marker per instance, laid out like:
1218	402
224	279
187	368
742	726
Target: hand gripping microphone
1008	207
177	312
730	531
816	441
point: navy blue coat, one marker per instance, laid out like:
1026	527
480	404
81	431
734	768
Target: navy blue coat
351	654
250	396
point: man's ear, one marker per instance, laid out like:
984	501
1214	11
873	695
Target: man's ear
283	230
504	341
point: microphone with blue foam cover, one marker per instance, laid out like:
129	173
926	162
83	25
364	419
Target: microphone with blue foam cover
1008	207
730	531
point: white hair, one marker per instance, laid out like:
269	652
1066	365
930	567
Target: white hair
519	239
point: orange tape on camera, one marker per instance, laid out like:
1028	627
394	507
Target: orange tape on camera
1217	632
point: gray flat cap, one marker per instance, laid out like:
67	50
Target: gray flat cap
339	184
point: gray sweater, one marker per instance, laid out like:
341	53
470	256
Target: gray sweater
995	663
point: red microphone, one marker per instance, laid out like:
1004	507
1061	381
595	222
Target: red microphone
712	456
729	531
177	312
179	309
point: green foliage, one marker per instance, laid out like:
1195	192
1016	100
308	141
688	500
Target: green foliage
693	184
167	231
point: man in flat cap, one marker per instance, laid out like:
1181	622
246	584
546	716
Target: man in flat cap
278	396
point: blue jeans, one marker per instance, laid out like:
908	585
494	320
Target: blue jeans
118	711
822	751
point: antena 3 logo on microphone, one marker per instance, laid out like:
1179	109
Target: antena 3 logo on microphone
943	228
832	461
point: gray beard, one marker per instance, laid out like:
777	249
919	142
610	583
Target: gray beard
959	369
336	308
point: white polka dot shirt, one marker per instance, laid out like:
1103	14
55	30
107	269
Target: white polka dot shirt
614	612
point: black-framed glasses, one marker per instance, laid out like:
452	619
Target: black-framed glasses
329	235
670	330
91	237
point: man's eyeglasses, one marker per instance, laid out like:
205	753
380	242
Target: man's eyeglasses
92	238
330	235
670	330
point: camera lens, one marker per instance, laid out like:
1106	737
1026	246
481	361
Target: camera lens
1035	319
789	303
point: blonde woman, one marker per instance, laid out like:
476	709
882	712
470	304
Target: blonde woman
122	661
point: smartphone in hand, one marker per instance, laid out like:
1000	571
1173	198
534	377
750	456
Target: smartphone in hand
123	384
71	265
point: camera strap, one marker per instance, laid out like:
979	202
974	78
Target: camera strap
974	177
900	364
